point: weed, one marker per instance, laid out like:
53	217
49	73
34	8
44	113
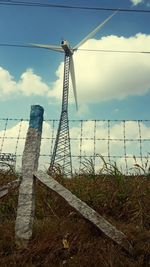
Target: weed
125	204
112	170
142	170
88	168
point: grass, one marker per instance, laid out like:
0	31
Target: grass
61	237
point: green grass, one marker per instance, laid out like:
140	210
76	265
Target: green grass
123	201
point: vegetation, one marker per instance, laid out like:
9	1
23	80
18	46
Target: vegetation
61	237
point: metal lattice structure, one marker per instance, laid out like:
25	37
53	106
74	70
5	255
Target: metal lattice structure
62	152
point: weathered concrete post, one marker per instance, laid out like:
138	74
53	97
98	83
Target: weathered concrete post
25	210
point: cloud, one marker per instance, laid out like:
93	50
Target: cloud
32	84
7	83
136	2
106	76
100	76
28	84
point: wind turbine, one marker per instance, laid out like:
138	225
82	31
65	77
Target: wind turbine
61	155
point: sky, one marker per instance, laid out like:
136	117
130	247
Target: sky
109	85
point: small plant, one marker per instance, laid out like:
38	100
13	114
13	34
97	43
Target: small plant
107	169
6	169
88	169
111	169
145	169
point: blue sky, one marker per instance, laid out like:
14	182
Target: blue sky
109	85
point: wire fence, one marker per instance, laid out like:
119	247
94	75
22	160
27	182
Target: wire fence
93	142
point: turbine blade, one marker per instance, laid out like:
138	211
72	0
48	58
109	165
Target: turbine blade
50	47
72	73
91	34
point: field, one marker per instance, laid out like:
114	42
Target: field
62	237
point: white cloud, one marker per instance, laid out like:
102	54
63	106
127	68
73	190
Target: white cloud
7	83
32	84
105	76
136	2
99	76
29	84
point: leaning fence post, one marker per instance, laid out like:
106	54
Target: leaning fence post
25	210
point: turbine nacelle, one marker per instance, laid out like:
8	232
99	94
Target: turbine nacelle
66	47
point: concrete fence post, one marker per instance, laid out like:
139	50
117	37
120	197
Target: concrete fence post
25	210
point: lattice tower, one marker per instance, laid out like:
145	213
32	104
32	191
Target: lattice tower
61	156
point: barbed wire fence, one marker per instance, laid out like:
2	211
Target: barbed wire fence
121	142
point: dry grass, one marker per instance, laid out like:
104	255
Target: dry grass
61	237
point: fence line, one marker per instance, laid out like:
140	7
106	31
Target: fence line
126	142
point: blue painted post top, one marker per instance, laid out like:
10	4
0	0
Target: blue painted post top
36	117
